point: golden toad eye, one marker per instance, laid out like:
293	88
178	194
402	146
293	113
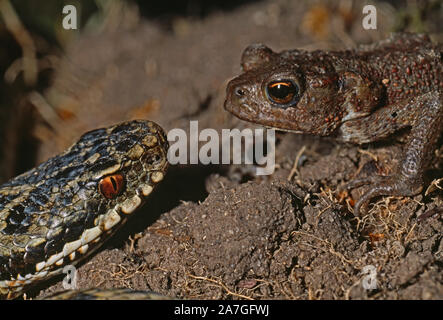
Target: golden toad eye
111	186
282	91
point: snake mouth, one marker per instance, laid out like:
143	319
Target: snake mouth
89	241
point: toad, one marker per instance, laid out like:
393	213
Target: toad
358	96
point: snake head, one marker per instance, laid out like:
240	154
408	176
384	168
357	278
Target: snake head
63	210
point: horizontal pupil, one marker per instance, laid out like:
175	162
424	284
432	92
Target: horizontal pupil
280	90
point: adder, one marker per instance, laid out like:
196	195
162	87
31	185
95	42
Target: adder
63	210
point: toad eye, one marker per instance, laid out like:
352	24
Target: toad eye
282	91
111	186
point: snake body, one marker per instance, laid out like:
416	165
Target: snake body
61	211
107	294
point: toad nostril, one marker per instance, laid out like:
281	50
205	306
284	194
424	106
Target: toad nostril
240	92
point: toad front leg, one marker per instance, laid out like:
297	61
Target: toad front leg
424	115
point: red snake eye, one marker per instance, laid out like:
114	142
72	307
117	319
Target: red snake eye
111	186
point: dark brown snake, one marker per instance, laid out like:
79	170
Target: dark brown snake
61	211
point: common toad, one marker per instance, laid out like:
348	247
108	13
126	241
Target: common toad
358	96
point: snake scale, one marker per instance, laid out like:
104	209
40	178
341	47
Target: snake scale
61	211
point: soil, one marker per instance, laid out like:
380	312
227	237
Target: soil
218	232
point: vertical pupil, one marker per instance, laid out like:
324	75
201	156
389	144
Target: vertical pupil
114	183
111	186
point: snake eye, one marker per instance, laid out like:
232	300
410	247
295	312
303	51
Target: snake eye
111	186
282	91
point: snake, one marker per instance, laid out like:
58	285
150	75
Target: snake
107	294
63	210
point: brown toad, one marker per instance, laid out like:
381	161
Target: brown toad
359	96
